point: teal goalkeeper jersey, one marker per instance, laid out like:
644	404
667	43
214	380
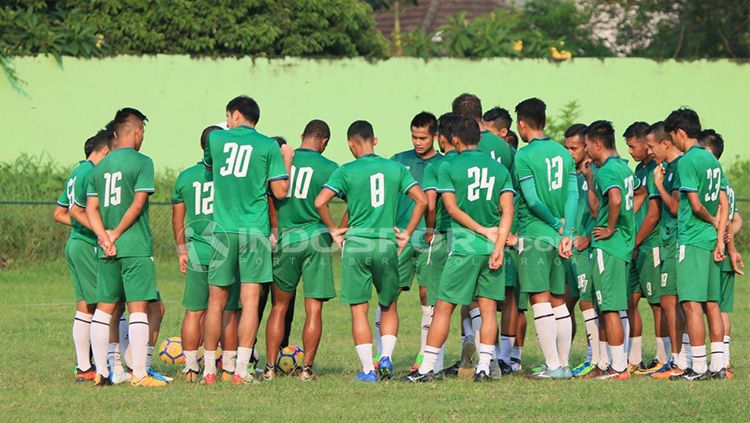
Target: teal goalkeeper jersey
115	181
371	185
194	189
75	193
416	166
700	173
243	162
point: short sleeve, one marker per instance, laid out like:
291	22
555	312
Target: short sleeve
63	200
429	180
724	180
606	180
144	182
688	178
81	184
506	183
407	181
521	167
207	159
276	168
651	186
90	187
178	191
445	181
337	182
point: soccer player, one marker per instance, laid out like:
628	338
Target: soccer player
304	250
478	194
80	251
371	185
546	212
645	273
732	263
666	181
497	121
244	163
613	242
512	139
117	209
580	262
701	224
413	259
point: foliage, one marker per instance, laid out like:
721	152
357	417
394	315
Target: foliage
739	176
558	124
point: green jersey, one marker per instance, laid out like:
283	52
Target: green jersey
115	181
701	173
477	182
430	182
243	162
298	219
373	204
497	148
667	220
644	172
75	193
549	164
194	189
584	224
615	173
416	166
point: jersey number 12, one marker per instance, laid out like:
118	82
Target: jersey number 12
203	205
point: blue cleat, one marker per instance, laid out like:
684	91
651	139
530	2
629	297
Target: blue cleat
366	377
158	376
385	368
580	368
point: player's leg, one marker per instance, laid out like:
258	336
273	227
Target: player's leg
726	306
81	260
436	337
229	337
516	355
119	347
563	316
610	276
635	336
715	321
509	313
422	275
156	313
490	288
590	317
195	301
109	291
385	278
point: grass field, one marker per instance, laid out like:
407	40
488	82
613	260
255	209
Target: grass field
37	360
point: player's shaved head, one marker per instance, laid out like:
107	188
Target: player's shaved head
360	131
204	134
533	112
498	117
468	106
128	118
660	134
602	131
467	130
318	129
712	140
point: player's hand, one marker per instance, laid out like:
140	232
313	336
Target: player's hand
582	243
497	259
511	240
659	175
566	247
274	238
585	168
183	262
491	233
287	154
107	246
428	236
338	235
719	252
402	239
562	226
113	236
737	265
602	232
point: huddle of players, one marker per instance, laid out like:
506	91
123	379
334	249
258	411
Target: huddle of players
463	239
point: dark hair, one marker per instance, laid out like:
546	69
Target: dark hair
636	129
467	130
425	120
467	106
685	119
657	129
512	139
279	140
204	134
709	138
318	129
125	115
499	117
361	129
445	124
103	138
246	106
602	130
575	129
533	112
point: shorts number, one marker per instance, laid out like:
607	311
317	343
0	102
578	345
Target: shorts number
582	282
203	205
599	297
714	184
377	190
112	192
629	192
481	181
649	292
731	198
664	277
70	192
238	160
300	182
554	173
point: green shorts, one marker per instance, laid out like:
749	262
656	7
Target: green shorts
668	281
195	297
727	292
581	266
366	262
437	256
310	259
126	279
645	275
81	259
412	261
570	279
698	275
467	277
540	267
511	269
246	255
610	278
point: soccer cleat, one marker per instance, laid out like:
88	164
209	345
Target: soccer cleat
666	373
419	378
652	367
635	368
579	368
158	376
538	368
612	374
515	364
452	370
270	372
370	377
466	368
495	372
594	373
482	376
208	379
100	380
385	368
244	380
148	381
691	376
307	374
226	376
583	371
505	368
720	375
191	376
86	376
545	373
118	378
566	373
376	361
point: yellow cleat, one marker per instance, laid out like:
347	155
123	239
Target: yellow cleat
226	376
148	382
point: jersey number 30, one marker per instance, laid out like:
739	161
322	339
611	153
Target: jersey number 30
238	160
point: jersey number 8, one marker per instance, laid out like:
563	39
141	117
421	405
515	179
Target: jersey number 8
377	190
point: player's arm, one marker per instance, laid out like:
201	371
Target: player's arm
699	210
279	188
639	198
97	225
79	214
321	205
61	215
430	216
653	214
736	224
344	219
591	198
507	210
721	218
178	227
669	199
449	201
571	206
734	256
614	195
273	219
130	216
537	207
420	205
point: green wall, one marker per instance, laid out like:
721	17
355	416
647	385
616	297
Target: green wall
62	105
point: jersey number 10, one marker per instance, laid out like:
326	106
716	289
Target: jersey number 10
299	184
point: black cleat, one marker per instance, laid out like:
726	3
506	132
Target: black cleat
482	376
102	381
720	375
505	368
452	371
690	375
419	378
